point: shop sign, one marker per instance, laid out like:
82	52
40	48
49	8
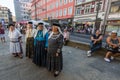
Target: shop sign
117	15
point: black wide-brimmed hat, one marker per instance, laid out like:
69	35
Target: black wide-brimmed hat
56	24
41	23
11	25
30	22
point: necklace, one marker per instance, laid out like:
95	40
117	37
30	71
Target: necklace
40	34
55	36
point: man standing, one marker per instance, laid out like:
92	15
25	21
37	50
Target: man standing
96	42
15	45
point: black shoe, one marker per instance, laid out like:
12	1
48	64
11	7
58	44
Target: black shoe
56	73
21	57
15	55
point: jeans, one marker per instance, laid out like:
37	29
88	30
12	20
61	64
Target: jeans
95	47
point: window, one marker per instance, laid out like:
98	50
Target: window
115	9
56	13
50	6
70	10
65	12
60	13
56	4
65	1
87	9
78	10
78	2
60	3
70	0
5	15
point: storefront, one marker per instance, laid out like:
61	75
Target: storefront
114	17
113	25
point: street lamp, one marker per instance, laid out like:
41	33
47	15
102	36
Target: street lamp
43	9
35	10
46	9
104	25
97	24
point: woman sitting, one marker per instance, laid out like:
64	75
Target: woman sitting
113	43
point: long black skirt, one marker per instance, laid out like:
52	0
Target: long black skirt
54	63
30	47
40	54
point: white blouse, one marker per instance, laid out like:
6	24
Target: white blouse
30	33
14	35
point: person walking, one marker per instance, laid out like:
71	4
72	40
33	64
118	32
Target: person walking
54	56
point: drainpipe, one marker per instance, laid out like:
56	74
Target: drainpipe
107	10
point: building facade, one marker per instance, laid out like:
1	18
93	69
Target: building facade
5	15
114	16
86	12
22	10
50	10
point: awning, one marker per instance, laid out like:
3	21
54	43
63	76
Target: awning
114	23
83	20
109	19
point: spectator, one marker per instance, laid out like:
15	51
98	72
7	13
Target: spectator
96	42
113	43
2	34
66	36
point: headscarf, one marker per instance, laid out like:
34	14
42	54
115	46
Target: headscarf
44	29
59	30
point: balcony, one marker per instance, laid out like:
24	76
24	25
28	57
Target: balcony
83	2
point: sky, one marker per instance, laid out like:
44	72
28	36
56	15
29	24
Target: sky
9	4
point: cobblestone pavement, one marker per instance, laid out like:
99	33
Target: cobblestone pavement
77	66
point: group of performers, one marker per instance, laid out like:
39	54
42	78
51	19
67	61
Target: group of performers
45	49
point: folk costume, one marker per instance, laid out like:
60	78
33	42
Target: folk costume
40	46
30	32
15	44
55	43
